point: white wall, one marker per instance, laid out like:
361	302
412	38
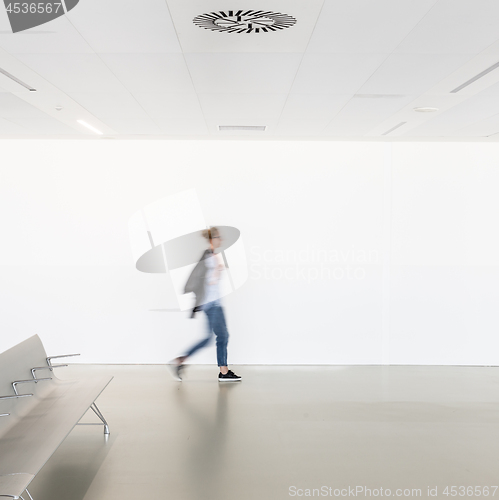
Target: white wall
357	254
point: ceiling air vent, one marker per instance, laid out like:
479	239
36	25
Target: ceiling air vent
250	128
244	21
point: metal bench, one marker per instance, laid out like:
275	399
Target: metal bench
38	411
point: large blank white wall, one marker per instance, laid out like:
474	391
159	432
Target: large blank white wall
445	254
357	252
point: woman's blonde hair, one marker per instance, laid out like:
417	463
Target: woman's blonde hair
211	233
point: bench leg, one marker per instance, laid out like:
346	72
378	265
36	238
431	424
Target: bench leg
96	410
29	495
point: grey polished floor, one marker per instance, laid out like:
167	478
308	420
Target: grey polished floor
303	427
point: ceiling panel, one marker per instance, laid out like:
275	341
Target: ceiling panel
132	125
345	69
468	71
359	116
483	128
364	26
74	72
60	36
175	114
246	73
24	72
47	126
454	27
4	22
412	73
150	72
472	110
9	128
62	108
182	128
308	114
412	118
12	106
196	39
242	109
335	73
126	26
105	105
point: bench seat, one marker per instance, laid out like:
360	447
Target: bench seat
13	485
39	423
47	424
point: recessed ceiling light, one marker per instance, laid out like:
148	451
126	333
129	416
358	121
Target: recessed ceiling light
58	108
93	129
425	110
20	82
389	131
475	78
253	128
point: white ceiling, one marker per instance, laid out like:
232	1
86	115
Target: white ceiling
346	70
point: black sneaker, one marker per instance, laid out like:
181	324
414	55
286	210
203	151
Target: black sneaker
230	376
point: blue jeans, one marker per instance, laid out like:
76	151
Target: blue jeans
217	326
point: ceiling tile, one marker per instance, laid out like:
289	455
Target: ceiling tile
9	128
359	116
472	110
412	73
412	118
62	108
177	114
46	126
245	73
335	73
13	65
4	22
126	26
454	27
150	72
483	128
12	106
308	114
60	36
475	67
242	109
132	125
74	72
105	105
364	26
292	39
182	128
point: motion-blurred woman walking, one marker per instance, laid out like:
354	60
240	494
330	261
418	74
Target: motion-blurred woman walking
204	282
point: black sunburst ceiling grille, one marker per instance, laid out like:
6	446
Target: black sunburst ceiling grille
244	21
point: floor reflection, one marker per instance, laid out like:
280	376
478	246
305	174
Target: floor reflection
207	452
